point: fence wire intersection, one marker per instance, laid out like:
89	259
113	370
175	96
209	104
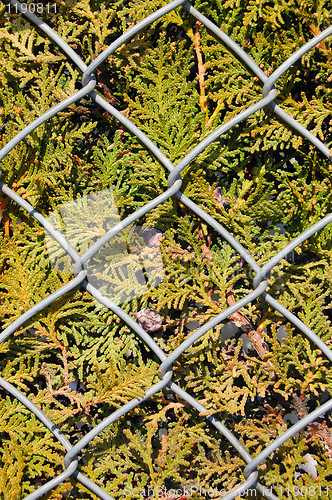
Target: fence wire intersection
174	185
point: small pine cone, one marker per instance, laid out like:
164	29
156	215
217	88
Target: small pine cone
152	236
222	202
149	319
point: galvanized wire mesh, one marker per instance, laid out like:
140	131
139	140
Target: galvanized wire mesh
174	186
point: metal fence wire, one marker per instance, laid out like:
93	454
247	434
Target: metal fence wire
174	185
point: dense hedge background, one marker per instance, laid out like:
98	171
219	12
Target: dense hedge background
262	181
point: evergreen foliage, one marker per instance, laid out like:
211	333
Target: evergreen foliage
80	362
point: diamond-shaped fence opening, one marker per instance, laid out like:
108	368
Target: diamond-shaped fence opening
87	237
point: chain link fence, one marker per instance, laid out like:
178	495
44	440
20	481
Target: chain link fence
174	186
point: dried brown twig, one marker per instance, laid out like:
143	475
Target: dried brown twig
243	322
201	69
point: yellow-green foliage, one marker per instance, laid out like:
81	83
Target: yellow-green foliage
275	185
